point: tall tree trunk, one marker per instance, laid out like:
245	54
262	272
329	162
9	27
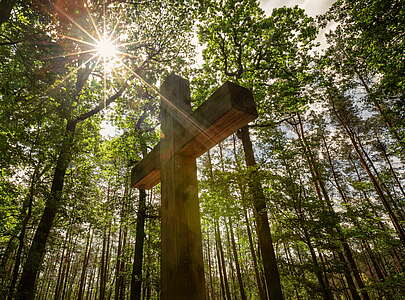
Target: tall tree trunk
105	262
235	255
120	263
26	287
61	264
219	263
346	248
347	258
212	293
136	278
263	228
86	258
242	190
68	266
123	265
327	295
26	212
223	264
382	148
391	199
228	247
373	179
101	277
262	293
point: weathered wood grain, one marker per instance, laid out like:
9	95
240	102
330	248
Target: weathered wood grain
228	109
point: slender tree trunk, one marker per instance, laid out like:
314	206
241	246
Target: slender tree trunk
346	248
235	255
219	263
136	279
212	293
26	287
26	212
102	274
396	205
262	293
4	270
61	264
347	258
381	108
122	284
382	148
67	270
373	179
118	262
327	295
105	266
223	265
263	228
89	293
229	254
85	264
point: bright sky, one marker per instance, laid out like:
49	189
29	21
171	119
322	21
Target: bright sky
312	7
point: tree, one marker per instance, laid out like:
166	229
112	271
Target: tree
81	104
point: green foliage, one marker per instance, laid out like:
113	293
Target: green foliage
328	142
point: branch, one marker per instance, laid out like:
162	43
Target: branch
270	124
103	104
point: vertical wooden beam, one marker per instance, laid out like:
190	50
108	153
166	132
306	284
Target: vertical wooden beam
182	269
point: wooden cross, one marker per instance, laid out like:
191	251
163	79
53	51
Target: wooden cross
185	136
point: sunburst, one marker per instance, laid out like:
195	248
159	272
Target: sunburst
101	48
108	49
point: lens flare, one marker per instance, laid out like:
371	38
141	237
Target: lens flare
106	48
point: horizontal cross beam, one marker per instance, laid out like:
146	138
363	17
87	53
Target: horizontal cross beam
227	110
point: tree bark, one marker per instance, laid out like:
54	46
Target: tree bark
136	278
262	293
382	148
26	287
85	264
26	212
235	255
223	265
347	258
219	263
263	228
394	219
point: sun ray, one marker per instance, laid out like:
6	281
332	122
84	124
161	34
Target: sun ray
129	55
76	40
104	82
73	54
93	23
71	73
113	31
184	114
74	22
97	62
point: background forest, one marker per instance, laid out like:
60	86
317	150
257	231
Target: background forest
307	201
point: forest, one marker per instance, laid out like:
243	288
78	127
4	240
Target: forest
307	201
